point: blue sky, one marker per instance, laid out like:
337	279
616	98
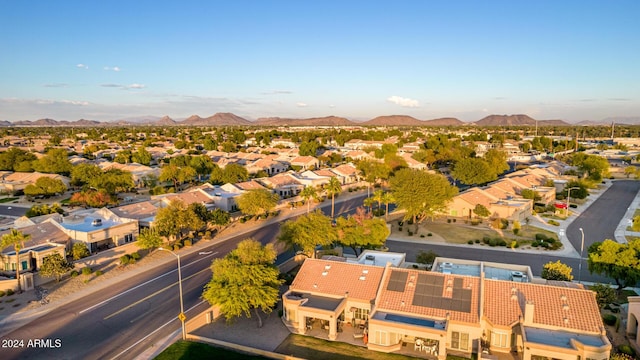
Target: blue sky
108	60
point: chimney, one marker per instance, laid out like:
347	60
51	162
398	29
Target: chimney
528	313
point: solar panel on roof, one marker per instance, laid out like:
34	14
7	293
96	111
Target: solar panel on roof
428	293
397	280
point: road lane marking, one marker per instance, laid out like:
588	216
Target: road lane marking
152	295
154	331
144	283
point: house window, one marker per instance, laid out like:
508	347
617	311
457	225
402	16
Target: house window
362	314
24	265
460	341
499	340
381	338
128	238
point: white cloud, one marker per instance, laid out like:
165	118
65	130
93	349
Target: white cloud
74	102
115	68
135	86
332	106
301	104
277	92
56	85
82	66
404	102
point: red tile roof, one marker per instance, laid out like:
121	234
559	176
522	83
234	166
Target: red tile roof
402	301
339	279
505	303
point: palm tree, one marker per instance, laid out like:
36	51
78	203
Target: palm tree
377	196
368	202
16	239
309	193
333	187
386	199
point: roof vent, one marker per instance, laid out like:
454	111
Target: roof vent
362	277
565	307
514	297
325	273
514	290
327	267
565	320
365	271
563	297
410	283
315	286
402	303
96	222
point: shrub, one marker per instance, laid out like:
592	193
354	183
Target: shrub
176	247
553	222
415	266
449	221
1	293
486	239
410	233
477	241
400	228
514	244
609	319
501	242
454	220
74	274
99	272
86	270
541	237
626	349
10	292
125	260
135	256
516	231
429	234
534	244
470	242
207	234
493	242
187	243
421	235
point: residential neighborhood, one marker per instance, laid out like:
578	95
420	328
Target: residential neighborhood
118	197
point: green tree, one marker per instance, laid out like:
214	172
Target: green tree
56	161
45	186
245	279
82	174
176	174
308	148
16	239
16	159
176	218
557	271
219	217
594	166
308	231
257	202
530	194
333	188
79	251
54	266
630	170
113	181
426	258
309	193
203	165
481	211
149	238
378	196
497	160
473	171
123	156
620	262
373	171
142	156
421	194
360	231
605	294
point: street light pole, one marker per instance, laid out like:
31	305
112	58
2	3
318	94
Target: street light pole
181	316
569	197
580	262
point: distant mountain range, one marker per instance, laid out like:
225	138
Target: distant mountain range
229	119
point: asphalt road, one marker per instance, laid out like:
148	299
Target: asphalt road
125	319
13	211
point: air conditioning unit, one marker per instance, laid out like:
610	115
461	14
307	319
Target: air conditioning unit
96	222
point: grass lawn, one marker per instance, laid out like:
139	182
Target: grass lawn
9	199
196	350
529	232
317	349
623	297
